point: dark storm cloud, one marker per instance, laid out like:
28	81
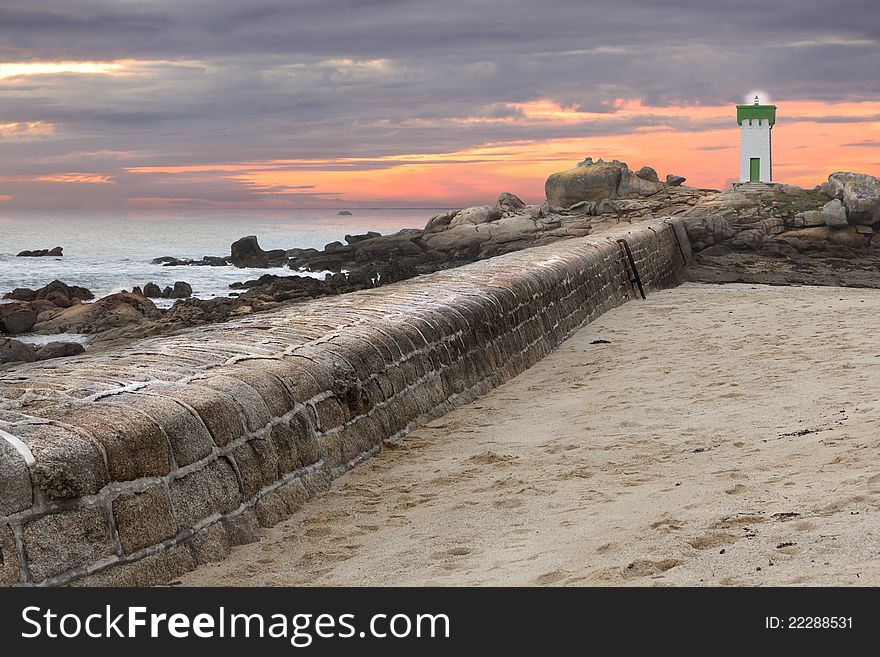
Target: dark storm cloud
230	81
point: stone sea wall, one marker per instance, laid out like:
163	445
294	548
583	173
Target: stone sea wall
132	466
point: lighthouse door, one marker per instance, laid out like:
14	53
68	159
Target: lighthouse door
754	169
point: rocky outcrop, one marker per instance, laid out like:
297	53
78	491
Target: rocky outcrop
860	194
509	202
16	351
41	253
594	181
115	311
206	261
833	214
246	252
17	318
181	290
55	293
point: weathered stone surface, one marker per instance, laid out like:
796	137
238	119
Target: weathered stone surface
210	544
204	493
479	214
143	519
134	444
674	181
825	237
833	213
812	218
583	183
253	407
648	173
62	541
860	194
187	434
17	318
16	493
159	568
10	571
15	351
67	465
509	202
271	509
217	410
242	528
257	462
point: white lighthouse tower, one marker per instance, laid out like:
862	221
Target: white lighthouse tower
755	123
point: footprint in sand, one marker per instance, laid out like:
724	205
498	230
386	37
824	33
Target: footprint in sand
710	541
552	577
735	490
644	567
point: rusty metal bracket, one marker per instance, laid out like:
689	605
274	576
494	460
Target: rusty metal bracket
634	280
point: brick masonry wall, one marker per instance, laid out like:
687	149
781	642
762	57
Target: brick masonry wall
132	466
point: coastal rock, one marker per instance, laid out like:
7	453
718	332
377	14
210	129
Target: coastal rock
17	318
114	311
674	181
648	173
206	261
152	291
813	218
59	350
181	290
351	239
479	214
825	238
344	213
860	194
40	253
509	202
633	185
441	221
586	182
833	213
57	293
15	351
246	252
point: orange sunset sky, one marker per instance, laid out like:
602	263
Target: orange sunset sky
169	107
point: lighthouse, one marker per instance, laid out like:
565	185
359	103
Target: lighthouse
755	123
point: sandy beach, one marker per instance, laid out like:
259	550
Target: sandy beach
710	435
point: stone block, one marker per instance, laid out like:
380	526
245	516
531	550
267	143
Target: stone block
67	465
217	409
63	541
211	544
187	434
204	493
10	570
254	411
257	462
242	528
135	445
271	509
16	493
160	568
143	519
270	388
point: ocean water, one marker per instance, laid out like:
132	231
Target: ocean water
107	256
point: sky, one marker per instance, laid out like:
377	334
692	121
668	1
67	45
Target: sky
176	106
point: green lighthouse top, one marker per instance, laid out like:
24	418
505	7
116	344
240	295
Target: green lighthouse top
756	111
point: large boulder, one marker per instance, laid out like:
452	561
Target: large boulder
15	351
833	213
17	318
860	194
181	290
246	252
674	181
510	202
648	173
152	291
479	214
586	182
59	350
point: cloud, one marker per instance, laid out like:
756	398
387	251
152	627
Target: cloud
328	86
